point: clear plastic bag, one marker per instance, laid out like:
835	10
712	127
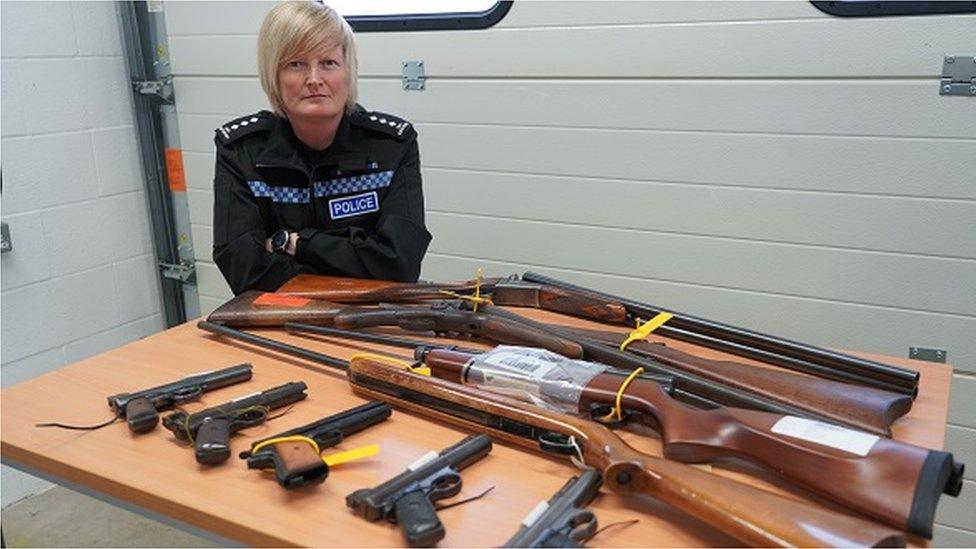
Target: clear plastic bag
534	375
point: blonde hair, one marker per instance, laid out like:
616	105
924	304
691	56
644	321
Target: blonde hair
294	28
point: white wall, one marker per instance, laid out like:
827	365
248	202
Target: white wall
759	163
81	278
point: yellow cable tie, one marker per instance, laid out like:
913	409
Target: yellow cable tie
351	455
474	300
617	413
293	438
645	329
422	370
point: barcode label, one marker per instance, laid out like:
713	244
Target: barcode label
827	434
534	366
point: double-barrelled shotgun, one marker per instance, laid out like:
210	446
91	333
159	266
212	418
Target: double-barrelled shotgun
542	292
700	382
749	514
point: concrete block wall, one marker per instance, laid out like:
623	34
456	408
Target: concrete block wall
81	278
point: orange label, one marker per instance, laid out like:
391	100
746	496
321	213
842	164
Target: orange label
174	169
281	300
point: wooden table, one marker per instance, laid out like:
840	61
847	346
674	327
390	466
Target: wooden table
155	473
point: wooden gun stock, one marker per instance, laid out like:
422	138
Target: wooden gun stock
255	309
356	290
749	514
864	408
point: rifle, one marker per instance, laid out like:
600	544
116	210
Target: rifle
562	521
860	407
296	462
210	430
538	291
894	482
867	409
747	513
407	499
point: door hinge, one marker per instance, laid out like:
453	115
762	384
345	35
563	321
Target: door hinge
958	75
413	75
160	88
182	271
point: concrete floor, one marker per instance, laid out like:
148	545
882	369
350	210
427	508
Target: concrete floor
61	517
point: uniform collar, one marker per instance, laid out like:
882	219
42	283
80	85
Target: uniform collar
281	149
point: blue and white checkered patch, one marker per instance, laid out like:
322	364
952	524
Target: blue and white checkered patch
352	184
284	195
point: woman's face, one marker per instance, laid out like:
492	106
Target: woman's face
315	84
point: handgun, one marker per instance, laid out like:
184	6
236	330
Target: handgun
141	410
408	498
298	463
209	430
562	521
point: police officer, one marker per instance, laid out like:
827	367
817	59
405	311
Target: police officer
321	185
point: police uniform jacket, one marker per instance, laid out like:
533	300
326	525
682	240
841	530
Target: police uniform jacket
358	206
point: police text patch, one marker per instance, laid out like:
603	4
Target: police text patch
354	205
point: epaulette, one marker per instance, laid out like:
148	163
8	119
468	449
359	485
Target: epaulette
383	123
245	125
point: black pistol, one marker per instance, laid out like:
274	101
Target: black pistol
298	463
141	410
408	498
562	521
209	430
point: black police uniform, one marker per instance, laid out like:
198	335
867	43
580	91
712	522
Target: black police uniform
358	206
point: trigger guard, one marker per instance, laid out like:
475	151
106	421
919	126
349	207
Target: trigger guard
583	525
249	419
444	486
556	443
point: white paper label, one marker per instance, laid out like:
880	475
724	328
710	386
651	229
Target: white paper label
826	434
423	460
535	513
246	396
531	366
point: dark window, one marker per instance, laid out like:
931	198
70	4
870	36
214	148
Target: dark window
866	8
424	15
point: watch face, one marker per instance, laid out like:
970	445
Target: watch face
279	240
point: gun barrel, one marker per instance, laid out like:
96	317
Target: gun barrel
169	393
272	398
331	430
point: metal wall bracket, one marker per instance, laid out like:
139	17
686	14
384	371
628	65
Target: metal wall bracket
160	88
931	355
182	271
6	244
958	75
413	75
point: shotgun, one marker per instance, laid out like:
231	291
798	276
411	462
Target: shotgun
538	291
700	382
746	513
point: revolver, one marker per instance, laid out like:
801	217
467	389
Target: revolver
141	410
209	430
562	521
297	462
408	498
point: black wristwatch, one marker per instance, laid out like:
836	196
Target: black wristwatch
279	241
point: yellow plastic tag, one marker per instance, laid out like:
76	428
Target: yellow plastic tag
645	329
352	455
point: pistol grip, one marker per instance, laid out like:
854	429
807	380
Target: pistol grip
297	464
141	415
418	518
213	442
